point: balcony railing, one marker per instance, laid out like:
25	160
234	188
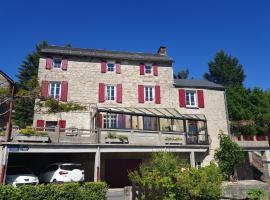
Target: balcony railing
114	136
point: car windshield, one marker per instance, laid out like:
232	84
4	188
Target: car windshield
70	166
18	170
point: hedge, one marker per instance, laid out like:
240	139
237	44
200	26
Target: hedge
66	191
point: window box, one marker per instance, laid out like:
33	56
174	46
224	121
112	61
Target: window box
32	138
248	137
260	137
171	140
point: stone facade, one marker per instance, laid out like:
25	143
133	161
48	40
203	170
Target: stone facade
84	75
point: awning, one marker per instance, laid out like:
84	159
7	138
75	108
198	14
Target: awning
158	112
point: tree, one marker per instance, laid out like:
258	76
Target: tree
229	155
183	74
225	70
28	71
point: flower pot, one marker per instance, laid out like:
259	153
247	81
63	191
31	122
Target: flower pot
248	137
115	141
32	138
260	137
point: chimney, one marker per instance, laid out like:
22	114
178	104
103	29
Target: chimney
162	51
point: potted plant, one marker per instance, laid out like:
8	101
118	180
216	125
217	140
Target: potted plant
2	136
173	140
28	134
113	138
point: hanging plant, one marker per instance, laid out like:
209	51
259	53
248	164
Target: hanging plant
54	106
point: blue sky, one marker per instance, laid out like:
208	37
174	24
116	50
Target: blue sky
192	30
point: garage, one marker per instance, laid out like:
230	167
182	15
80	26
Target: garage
36	157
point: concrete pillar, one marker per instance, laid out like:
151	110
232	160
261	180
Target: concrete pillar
3	163
266	164
192	159
97	166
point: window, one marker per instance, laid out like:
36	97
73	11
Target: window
191	100
50	125
110	92
55	90
57	63
148	69
192	127
150	123
109	121
149	93
110	67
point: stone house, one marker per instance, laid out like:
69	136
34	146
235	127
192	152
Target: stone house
133	107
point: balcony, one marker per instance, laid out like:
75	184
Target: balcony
112	136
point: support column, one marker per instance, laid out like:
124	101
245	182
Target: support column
192	159
97	166
266	164
3	163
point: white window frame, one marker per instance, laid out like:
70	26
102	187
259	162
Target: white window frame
107	66
146	90
188	94
60	66
150	65
109	97
54	92
108	120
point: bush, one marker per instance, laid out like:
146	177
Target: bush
179	180
67	191
256	194
229	155
28	131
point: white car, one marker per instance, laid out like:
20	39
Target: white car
18	175
62	172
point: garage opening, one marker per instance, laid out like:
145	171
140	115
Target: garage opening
38	162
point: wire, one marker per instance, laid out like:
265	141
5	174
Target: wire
4	112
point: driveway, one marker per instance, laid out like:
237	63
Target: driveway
115	194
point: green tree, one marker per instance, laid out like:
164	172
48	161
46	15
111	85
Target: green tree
229	155
27	82
183	74
225	70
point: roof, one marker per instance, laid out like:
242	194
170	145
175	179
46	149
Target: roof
158	112
7	77
197	84
120	55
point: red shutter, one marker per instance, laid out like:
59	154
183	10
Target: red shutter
100	120
141	69
101	92
64	91
103	67
118	68
200	98
157	94
44	89
64	64
62	125
141	93
182	98
155	69
119	93
40	125
48	63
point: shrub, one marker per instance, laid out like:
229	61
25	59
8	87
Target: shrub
229	155
256	194
67	191
30	131
179	180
